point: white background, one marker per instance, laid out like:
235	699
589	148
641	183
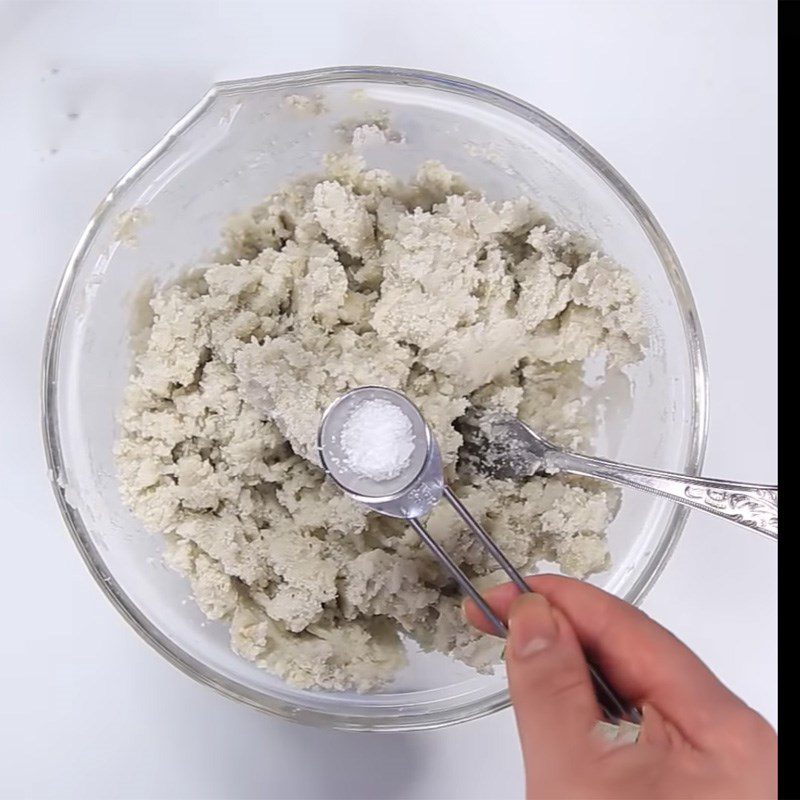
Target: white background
680	97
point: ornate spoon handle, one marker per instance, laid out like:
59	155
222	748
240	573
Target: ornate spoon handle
752	505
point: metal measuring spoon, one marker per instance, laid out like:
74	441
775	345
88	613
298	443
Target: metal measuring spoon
410	495
413	493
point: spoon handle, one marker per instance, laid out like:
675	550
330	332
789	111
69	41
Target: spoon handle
753	505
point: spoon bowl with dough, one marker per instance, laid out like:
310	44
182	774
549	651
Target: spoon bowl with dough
502	446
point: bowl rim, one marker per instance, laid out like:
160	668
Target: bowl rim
377	75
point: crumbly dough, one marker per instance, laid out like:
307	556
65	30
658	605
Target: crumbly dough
335	281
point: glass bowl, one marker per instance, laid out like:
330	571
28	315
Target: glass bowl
239	143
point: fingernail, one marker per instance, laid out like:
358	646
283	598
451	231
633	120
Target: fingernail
531	625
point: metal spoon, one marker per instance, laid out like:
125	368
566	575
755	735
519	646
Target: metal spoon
503	446
413	493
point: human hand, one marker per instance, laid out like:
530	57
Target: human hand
697	739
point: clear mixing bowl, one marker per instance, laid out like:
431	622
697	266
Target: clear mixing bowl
237	145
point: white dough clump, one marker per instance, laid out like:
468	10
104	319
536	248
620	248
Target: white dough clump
377	440
338	281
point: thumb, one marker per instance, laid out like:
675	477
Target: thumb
549	682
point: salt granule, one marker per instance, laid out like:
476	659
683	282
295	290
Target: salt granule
377	440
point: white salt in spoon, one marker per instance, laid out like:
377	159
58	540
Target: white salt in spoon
374	443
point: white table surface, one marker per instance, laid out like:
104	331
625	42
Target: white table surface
680	97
